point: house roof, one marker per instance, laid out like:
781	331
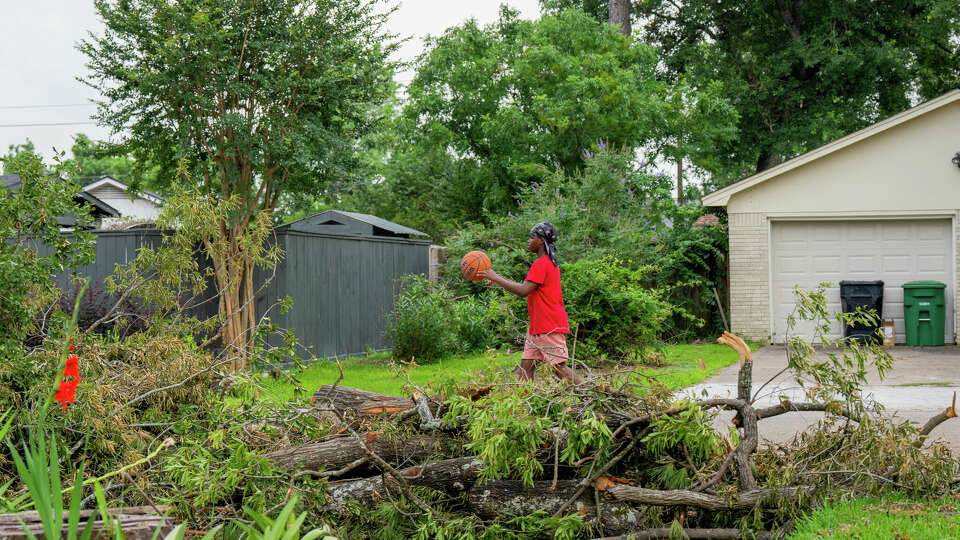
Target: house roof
340	222
722	196
110	181
100	208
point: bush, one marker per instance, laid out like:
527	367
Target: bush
615	314
613	209
427	323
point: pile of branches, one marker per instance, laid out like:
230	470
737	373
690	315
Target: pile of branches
616	461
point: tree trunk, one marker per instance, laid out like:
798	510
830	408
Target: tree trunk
136	522
361	402
450	475
767	160
680	181
618	13
340	452
745	500
499	498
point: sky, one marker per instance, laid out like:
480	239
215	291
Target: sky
39	63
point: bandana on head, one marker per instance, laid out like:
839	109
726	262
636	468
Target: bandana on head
545	230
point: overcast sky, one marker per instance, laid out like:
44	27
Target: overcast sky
39	63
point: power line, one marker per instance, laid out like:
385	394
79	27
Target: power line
47	124
46	106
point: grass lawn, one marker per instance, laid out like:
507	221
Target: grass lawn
375	373
683	363
881	519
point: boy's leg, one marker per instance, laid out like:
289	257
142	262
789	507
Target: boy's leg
532	354
528	367
555	347
563	371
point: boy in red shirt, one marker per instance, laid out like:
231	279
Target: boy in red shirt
546	337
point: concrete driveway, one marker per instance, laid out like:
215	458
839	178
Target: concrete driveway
920	385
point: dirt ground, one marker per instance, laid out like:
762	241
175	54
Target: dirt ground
920	385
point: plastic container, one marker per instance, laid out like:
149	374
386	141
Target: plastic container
924	312
866	295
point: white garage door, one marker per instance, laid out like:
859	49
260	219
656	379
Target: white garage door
806	253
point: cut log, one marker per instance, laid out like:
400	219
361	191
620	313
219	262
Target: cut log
137	522
680	497
340	452
344	398
509	498
449	475
362	402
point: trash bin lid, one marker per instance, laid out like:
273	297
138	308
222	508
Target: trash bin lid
923	284
877	282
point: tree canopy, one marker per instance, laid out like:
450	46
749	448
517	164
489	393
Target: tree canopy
248	100
799	72
497	108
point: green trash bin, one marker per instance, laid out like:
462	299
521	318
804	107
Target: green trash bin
924	312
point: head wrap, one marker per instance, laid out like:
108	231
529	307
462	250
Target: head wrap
545	230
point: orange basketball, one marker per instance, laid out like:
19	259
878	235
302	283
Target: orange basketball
473	262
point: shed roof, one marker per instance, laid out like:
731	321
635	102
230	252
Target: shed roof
722	196
100	208
110	181
352	223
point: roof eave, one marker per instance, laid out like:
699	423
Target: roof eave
722	196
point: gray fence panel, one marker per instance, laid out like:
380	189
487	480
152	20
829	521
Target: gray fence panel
342	287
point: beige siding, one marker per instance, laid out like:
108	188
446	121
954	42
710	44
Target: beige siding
904	170
749	276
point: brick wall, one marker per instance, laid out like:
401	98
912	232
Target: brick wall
750	276
956	282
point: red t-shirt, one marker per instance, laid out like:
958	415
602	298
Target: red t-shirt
545	303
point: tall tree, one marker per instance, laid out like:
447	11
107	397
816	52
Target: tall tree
254	98
619	14
494	110
799	72
803	72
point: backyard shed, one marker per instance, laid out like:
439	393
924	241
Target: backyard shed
878	204
342	270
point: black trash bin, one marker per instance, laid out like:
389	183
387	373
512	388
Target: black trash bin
866	295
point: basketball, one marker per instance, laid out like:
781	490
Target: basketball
473	262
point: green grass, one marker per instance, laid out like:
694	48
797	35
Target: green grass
895	516
683	366
375	373
939	383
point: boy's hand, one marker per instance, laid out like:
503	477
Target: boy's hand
490	276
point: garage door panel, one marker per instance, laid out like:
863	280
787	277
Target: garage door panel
806	253
895	232
931	263
831	266
861	263
929	231
896	264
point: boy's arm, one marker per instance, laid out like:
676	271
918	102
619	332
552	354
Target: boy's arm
522	290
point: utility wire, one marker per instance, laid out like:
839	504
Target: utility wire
4	107
47	124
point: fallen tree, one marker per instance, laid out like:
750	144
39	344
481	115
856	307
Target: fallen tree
612	460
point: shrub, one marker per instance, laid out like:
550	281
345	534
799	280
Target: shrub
472	317
419	326
428	323
615	314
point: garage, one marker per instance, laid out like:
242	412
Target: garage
882	203
809	252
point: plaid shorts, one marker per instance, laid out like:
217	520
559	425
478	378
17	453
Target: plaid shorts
550	348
